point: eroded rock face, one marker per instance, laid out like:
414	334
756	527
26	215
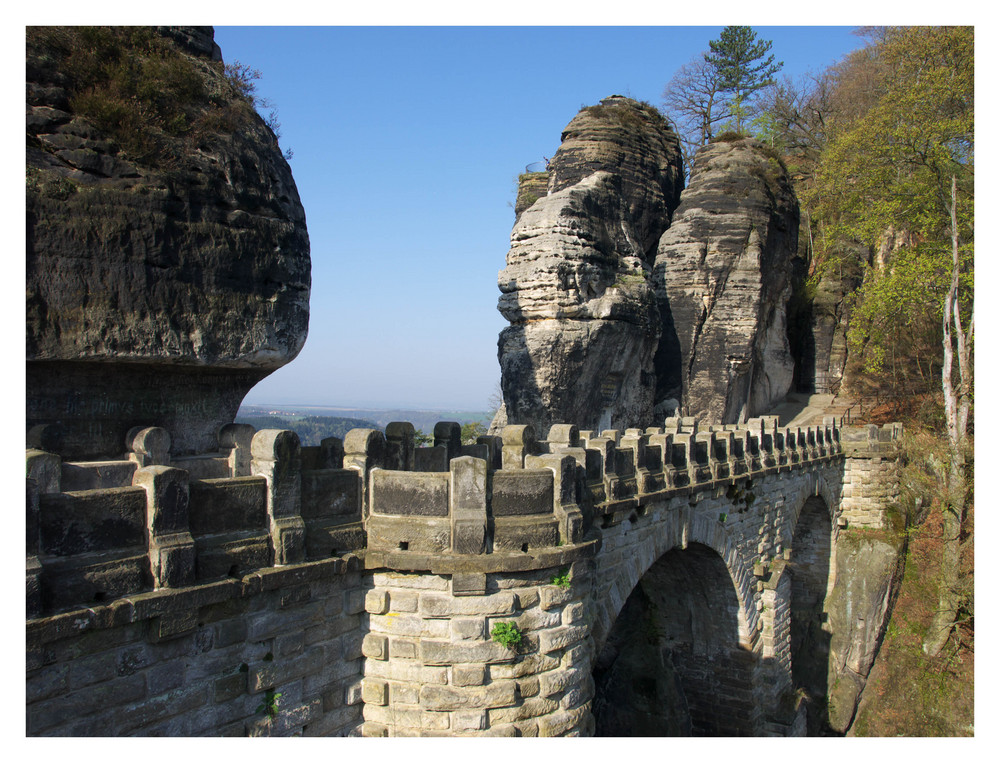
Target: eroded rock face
818	327
868	571
576	288
722	279
167	267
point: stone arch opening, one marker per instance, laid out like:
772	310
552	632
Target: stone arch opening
674	663
810	567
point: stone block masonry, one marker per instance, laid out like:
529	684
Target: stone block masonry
336	591
433	668
203	660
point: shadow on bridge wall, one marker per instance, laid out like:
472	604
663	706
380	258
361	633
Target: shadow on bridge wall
810	635
674	663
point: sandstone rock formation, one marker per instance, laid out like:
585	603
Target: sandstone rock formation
818	322
576	289
167	253
722	278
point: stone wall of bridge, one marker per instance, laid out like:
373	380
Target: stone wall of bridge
361	580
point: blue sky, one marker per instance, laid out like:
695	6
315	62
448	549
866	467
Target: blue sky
406	143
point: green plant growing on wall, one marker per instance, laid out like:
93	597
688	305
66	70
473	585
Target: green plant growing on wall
270	704
741	496
562	579
507	634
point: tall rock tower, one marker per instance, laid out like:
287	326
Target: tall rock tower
576	288
167	253
723	279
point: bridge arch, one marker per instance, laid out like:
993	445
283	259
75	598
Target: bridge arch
679	655
812	571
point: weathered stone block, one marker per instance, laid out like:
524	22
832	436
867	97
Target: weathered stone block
468	675
496	694
403	648
502	603
468	628
377	602
375	646
374	692
468	584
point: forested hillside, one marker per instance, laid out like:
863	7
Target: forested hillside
310	429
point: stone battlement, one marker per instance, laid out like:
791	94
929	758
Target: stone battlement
101	530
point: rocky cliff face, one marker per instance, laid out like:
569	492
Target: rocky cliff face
722	279
167	253
576	288
819	315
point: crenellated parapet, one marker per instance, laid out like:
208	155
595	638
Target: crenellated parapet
145	521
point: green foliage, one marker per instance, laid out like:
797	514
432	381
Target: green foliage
562	579
884	180
270	704
728	136
507	634
634	115
310	429
742	496
139	89
128	81
472	431
744	66
628	280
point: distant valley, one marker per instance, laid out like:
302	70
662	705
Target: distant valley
314	423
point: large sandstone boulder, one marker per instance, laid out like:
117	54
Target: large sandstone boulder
722	279
576	288
167	253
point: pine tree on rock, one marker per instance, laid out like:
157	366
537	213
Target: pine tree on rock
739	58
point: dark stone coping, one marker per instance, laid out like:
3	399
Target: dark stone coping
638	501
447	564
177	601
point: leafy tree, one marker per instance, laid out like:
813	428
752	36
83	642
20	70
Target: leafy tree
743	66
899	176
472	431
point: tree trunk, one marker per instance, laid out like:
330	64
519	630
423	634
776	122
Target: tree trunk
957	404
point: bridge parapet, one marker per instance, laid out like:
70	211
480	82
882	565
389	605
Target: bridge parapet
264	500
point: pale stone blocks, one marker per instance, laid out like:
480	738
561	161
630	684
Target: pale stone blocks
374	691
375	646
377	602
468	675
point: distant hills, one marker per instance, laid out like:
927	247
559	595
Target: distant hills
314	423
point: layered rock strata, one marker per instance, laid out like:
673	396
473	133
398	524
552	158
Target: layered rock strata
722	279
576	289
167	252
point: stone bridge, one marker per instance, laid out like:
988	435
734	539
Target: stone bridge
663	582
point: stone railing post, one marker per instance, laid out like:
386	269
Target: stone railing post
332	452
494	446
518	442
467	497
364	450
32	566
148	446
276	457
399	446
449	435
171	547
236	438
565	506
44	469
